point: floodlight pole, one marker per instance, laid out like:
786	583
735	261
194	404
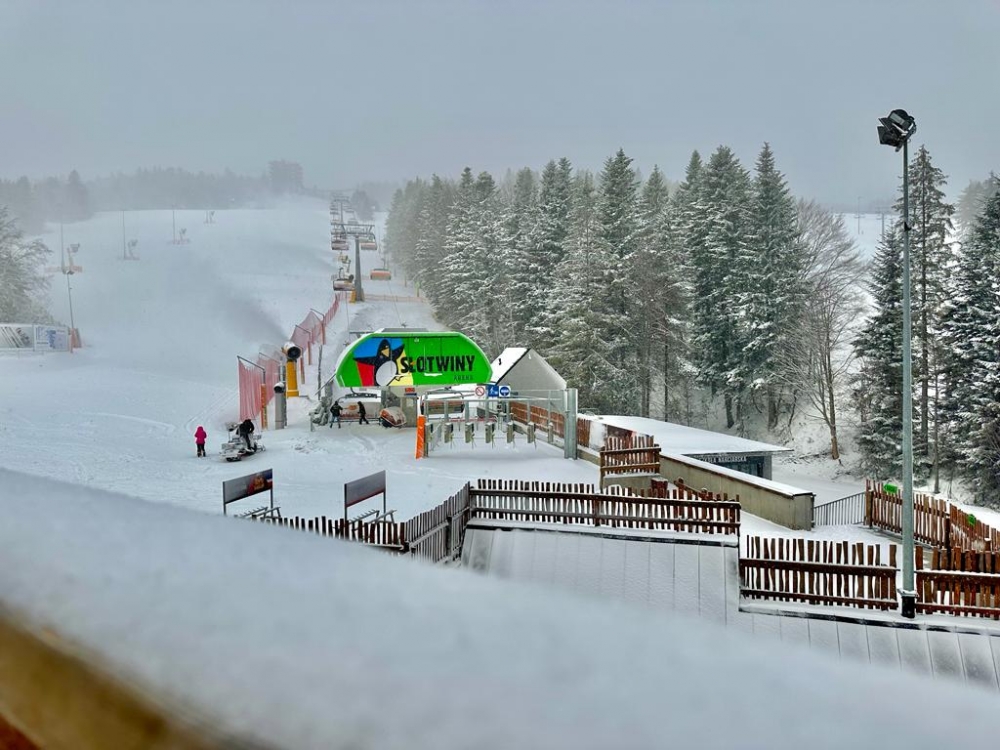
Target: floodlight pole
909	592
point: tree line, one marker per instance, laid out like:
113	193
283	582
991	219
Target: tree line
955	313
727	296
723	295
33	203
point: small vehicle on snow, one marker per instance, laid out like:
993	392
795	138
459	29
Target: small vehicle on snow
241	442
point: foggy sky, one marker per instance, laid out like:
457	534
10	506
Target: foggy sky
389	90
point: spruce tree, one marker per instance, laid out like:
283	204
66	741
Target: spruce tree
617	240
879	346
931	228
717	238
970	329
771	299
550	246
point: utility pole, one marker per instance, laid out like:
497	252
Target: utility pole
124	248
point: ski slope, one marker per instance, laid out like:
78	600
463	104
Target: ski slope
161	336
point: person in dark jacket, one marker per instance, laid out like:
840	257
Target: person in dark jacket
335	414
361	414
245	431
200	436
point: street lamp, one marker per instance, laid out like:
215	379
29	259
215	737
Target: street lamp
895	130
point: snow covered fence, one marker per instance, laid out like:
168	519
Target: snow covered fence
818	572
630	455
958	583
936	522
582	504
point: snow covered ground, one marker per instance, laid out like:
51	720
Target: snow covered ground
161	338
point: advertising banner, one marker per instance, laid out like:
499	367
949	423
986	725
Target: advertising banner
417	358
27	337
17	337
251	484
51	339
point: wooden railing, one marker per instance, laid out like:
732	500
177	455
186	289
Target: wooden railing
818	572
582	504
845	511
958	583
638	454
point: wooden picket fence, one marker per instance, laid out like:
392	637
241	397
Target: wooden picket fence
582	504
936	523
818	572
968	534
636	454
958	582
527	413
884	510
383	534
438	534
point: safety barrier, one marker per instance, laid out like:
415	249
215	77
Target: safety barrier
257	379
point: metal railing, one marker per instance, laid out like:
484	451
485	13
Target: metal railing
841	512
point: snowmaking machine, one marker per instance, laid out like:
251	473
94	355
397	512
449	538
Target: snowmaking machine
237	446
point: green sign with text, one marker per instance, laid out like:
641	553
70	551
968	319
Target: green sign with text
396	358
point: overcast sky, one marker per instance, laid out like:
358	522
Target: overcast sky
387	90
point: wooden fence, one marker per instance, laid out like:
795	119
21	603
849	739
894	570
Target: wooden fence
936	523
848	510
438	534
968	534
884	510
818	572
632	455
583	504
434	535
958	583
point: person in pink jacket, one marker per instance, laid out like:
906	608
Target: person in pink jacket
199	439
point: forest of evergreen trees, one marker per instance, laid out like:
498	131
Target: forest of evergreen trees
726	298
72	199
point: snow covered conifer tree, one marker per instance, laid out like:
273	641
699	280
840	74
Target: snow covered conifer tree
22	286
970	328
579	349
879	390
549	247
771	299
617	240
716	237
930	252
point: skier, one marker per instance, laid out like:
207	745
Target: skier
245	431
199	440
361	414
335	413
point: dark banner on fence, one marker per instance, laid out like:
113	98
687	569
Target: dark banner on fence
361	489
251	484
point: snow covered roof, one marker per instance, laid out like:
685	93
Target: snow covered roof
506	361
252	617
533	373
689	441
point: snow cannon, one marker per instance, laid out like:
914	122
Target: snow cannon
292	352
279	388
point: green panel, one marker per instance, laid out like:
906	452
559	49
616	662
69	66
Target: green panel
418	358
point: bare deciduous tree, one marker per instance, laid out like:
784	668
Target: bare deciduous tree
820	356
